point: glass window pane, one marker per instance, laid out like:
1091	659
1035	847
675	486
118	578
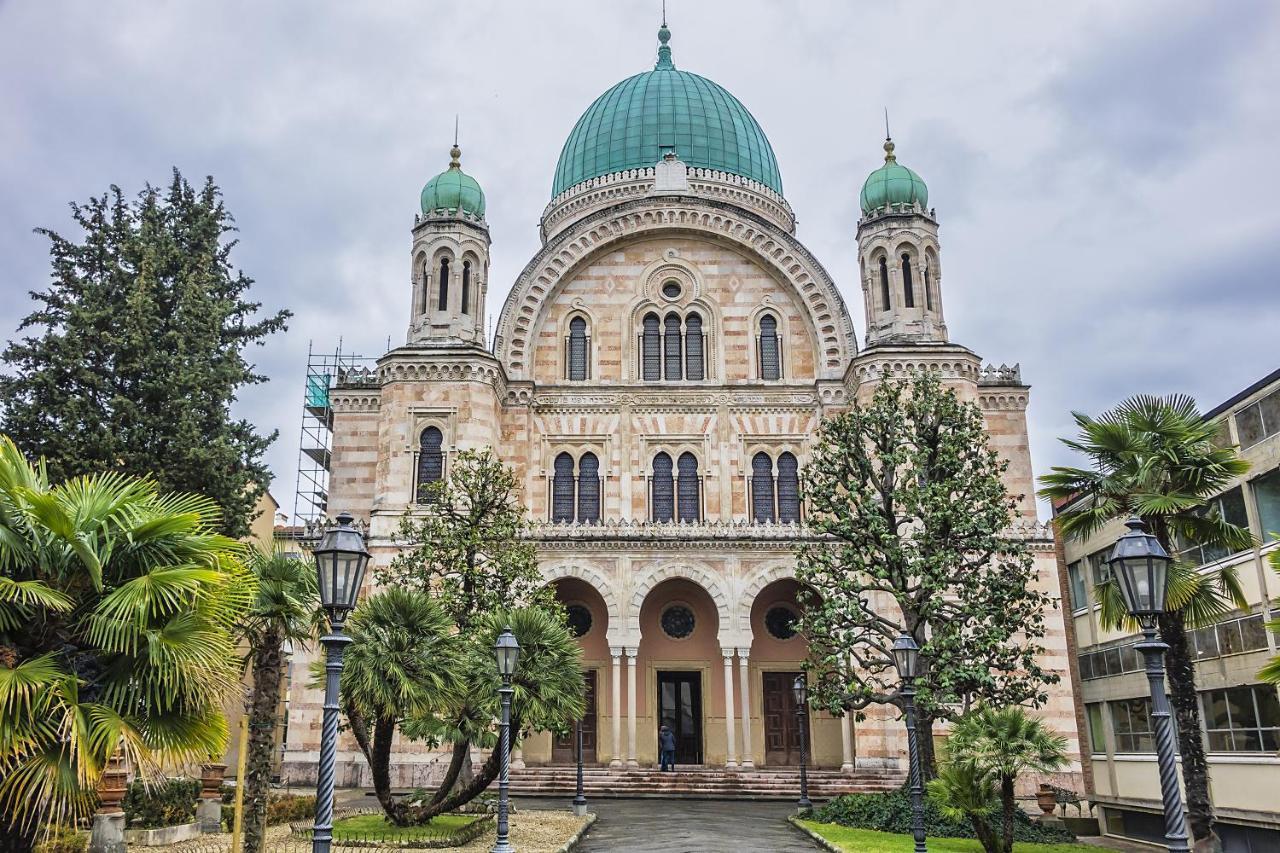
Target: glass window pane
1249	425
1220	741
1112	657
1270	406
1215	709
1097	739
1229	639
1231	505
1075	575
1240	706
1266	494
788	488
1268	705
1253	632
562	489
1086	666
1207	642
762	488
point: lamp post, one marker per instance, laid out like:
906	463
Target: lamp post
1141	567
507	651
800	691
906	656
579	798
341	558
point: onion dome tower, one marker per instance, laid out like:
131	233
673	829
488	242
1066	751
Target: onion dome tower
450	260
898	256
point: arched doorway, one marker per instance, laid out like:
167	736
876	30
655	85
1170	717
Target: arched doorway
588	617
679	646
778	652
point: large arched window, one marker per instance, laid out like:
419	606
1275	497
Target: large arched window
588	489
662	488
442	300
884	285
671	347
908	288
425	303
562	489
693	351
430	461
762	488
466	287
576	355
788	488
651	348
688	488
770	353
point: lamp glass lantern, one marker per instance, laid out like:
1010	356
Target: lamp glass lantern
1141	566
906	656
341	558
800	690
507	651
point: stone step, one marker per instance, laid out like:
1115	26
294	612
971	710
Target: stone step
708	783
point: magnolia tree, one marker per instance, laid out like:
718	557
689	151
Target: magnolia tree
911	516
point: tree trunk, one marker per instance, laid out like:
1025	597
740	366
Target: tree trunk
461	753
924	742
465	793
384	730
1186	714
1007	805
985	835
262	726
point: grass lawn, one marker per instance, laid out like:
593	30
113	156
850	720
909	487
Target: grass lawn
870	841
375	827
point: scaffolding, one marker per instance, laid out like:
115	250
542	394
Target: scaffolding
325	371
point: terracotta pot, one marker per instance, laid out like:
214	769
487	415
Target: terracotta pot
112	785
1046	799
211	776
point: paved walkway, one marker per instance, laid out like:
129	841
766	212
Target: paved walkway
693	826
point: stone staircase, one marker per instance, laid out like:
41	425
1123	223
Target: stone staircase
698	782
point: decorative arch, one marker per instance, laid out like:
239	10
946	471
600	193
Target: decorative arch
777	252
756	584
596	581
645	584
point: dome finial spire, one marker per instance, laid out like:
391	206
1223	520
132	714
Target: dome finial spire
888	140
455	153
664	36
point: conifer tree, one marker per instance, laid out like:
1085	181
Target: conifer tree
912	521
137	348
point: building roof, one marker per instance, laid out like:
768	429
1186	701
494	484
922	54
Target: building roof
635	123
892	184
453	190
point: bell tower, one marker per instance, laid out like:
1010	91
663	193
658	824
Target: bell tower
898	257
450	260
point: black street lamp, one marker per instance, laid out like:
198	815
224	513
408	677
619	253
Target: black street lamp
579	798
906	656
341	558
507	651
1141	567
800	690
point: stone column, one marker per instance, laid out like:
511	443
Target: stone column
846	743
732	760
744	672
517	758
615	707
631	707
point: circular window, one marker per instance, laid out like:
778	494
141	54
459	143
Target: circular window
677	621
579	619
671	289
781	622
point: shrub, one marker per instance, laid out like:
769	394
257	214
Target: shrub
64	840
891	812
281	808
166	803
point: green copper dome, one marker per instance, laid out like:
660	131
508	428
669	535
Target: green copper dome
892	183
635	123
453	190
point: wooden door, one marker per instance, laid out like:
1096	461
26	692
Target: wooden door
680	709
781	728
564	749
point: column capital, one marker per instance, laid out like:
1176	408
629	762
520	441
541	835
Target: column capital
728	653
631	652
615	652
743	654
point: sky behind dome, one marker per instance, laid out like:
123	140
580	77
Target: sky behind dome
1104	173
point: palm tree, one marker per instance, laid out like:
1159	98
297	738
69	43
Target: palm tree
117	609
1005	743
1271	672
1157	458
286	610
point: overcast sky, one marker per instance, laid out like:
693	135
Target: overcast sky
1105	174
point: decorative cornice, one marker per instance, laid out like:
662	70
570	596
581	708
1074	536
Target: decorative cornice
779	252
367	400
444	364
898	362
655	398
1002	375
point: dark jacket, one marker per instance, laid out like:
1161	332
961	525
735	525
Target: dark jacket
666	741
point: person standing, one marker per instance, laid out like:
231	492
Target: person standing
666	748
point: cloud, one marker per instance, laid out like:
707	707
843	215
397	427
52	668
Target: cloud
1097	168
